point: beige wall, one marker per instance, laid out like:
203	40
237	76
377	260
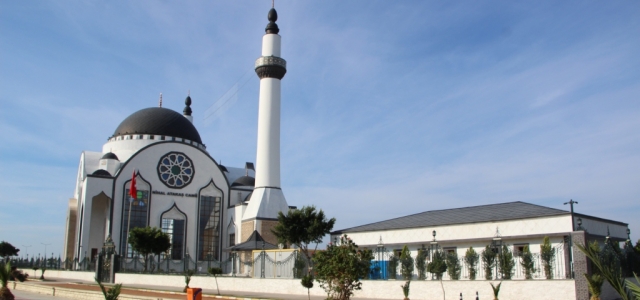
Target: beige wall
375	289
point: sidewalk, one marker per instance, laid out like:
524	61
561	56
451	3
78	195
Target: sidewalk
156	292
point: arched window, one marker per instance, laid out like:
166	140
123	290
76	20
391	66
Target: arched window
231	231
209	219
174	224
134	212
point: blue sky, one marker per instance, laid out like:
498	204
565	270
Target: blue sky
388	108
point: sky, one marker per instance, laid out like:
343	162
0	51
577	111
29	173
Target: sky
389	108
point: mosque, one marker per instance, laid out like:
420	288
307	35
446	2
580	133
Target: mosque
204	206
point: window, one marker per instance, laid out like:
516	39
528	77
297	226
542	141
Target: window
449	250
518	249
209	228
232	240
175	230
138	213
151	137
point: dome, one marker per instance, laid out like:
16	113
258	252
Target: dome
109	155
158	121
244	181
101	173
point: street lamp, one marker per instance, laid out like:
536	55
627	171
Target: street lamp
45	251
27	251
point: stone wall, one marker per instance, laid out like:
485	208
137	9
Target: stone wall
267	235
580	266
246	231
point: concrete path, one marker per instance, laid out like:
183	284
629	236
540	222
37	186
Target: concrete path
162	292
23	295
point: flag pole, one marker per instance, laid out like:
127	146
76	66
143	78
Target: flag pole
133	195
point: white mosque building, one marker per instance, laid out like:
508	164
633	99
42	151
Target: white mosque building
204	206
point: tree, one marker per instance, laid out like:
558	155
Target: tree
527	263
489	261
608	267
148	240
5	272
421	263
406	263
392	270
6	250
438	264
548	256
340	268
301	227
307	282
506	262
453	266
215	272
471	258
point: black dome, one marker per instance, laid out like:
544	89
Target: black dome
109	155
158	121
244	181
101	173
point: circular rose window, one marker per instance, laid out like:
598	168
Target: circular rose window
175	170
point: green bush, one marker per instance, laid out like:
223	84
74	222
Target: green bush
489	260
421	263
392	270
506	262
548	256
406	263
438	265
453	266
340	268
471	258
527	263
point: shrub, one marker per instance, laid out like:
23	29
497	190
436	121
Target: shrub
393	266
437	265
527	263
340	268
548	256
112	293
489	260
421	263
405	289
187	279
406	263
506	262
595	282
307	282
453	266
471	259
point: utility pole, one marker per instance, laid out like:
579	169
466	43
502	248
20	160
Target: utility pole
571	203
573	228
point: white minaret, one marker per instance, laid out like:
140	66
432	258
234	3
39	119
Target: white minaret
267	198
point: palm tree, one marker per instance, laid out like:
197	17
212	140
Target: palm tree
5	272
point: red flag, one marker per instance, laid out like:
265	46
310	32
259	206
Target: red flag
133	192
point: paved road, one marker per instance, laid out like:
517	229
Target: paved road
22	295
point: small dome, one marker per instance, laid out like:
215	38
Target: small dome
158	121
102	173
109	155
244	181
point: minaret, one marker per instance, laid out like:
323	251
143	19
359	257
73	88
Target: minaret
267	198
187	109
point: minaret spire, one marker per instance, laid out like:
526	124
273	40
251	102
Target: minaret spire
187	109
267	199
